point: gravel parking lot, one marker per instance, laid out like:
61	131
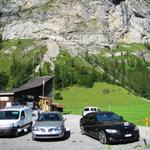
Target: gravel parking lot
73	141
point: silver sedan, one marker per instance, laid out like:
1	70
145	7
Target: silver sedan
48	125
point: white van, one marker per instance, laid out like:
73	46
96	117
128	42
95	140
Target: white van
87	110
15	119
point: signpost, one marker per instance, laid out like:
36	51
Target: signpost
43	87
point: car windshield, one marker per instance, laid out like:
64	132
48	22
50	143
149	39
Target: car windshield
49	117
9	115
108	117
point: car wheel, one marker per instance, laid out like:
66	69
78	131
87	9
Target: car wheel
82	130
30	127
102	137
34	139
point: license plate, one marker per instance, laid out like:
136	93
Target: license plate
128	135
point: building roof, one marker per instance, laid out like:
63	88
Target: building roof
20	107
6	93
36	82
33	83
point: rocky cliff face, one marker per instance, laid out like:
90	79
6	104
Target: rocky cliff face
76	24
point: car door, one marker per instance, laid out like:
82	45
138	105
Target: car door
90	123
22	120
84	123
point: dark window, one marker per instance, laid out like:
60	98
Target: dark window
108	117
9	115
91	118
22	115
86	109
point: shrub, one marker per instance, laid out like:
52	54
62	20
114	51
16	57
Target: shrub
106	91
58	96
19	42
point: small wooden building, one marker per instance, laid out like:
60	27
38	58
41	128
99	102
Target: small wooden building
29	92
6	98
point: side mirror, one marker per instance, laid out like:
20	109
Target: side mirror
22	117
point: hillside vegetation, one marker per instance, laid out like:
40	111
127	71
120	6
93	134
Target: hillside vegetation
18	60
124	67
106	97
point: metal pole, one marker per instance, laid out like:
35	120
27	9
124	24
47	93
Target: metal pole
43	95
43	87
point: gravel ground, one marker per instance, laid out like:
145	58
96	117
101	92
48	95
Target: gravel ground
73	141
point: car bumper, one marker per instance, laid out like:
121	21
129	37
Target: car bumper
8	131
39	135
123	137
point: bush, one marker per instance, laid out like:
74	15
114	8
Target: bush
58	96
106	91
19	42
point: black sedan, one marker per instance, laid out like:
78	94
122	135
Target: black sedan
108	127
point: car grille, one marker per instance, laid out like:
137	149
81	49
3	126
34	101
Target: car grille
43	130
52	135
126	130
51	129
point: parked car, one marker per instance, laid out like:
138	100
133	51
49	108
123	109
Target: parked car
87	110
108	127
14	120
48	125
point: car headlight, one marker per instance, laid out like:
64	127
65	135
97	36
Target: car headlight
111	131
58	128
136	129
35	129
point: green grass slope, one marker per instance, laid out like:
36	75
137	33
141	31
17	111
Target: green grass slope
106	97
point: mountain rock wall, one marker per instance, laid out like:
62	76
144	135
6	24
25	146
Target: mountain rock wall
77	24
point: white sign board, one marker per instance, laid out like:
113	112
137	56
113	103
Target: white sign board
8	104
4	98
